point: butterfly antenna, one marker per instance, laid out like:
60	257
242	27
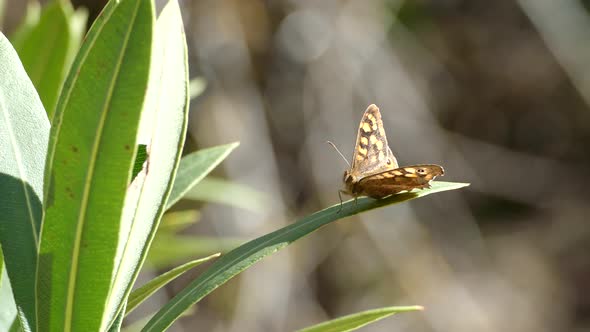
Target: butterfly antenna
340	153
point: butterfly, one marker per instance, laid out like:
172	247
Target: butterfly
374	171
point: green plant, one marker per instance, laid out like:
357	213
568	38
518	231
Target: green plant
74	212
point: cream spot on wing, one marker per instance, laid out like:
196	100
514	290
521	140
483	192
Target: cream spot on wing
372	139
362	151
374	125
374	159
379	145
364	140
410	170
381	156
366	127
398	173
388	175
411	175
360	157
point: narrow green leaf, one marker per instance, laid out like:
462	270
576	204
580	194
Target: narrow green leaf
216	190
24	132
194	167
246	255
171	249
178	220
46	51
358	320
142	293
89	162
140	323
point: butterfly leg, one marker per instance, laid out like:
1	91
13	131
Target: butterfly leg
340	192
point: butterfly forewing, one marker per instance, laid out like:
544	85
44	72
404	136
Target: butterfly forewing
371	152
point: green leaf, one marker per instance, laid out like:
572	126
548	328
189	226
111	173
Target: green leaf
31	19
2	10
8	311
46	50
197	87
24	131
167	104
178	220
170	249
215	190
194	167
89	162
118	321
142	293
140	323
246	255
140	158
358	320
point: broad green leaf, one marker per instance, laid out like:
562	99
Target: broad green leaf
194	167
215	190
167	103
142	293
246	255
358	320
89	162
24	131
171	249
47	49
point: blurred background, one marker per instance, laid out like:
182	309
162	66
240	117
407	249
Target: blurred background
497	92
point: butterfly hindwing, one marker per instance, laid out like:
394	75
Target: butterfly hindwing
399	179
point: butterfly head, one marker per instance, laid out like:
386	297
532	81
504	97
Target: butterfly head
348	178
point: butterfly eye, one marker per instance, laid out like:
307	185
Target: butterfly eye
388	161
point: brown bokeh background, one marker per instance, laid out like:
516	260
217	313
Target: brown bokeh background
497	92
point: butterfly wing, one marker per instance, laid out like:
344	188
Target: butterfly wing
372	153
393	181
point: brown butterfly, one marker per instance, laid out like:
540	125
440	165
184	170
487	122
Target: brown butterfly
374	171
